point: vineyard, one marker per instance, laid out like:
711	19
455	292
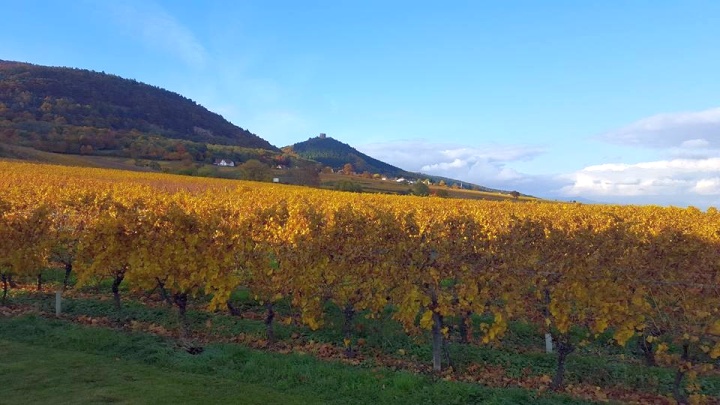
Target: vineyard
443	269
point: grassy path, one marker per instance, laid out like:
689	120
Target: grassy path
51	361
37	375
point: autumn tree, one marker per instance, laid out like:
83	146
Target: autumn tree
350	186
420	189
255	170
303	175
348	169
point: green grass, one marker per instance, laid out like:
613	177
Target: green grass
33	374
56	361
520	353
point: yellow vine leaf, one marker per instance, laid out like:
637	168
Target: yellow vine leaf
426	321
715	328
715	352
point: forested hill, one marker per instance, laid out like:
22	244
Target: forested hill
52	102
333	153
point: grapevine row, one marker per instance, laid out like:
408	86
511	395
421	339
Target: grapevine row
651	272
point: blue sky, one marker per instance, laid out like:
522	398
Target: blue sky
610	101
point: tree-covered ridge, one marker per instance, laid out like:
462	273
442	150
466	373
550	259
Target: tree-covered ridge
48	100
333	153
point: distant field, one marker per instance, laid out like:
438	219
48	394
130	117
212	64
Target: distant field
329	180
105	162
34	155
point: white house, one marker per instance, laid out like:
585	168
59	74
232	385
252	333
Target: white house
223	162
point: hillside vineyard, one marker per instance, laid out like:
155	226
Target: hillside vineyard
647	271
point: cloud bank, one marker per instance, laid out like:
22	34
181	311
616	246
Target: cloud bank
671	178
485	165
684	129
686	173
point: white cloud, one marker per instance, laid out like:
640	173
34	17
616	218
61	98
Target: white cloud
695	143
694	129
156	28
708	186
676	181
685	171
486	165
